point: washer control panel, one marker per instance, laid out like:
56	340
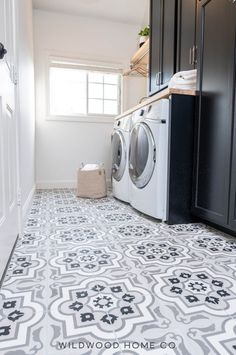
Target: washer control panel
123	123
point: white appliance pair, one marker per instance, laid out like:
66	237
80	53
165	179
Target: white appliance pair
143	160
120	158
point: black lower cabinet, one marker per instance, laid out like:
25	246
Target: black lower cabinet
215	175
232	201
180	172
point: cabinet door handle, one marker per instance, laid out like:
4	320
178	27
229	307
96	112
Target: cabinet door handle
158	78
161	78
190	56
194	55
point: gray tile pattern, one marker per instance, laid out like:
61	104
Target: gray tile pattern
102	279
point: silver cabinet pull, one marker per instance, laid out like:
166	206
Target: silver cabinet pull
159	78
194	55
190	56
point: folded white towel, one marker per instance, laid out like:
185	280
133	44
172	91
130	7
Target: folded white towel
89	167
184	80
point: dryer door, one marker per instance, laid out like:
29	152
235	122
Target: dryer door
119	155
142	155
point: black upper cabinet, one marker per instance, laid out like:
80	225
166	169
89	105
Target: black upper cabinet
162	43
172	40
168	49
155	45
186	43
216	83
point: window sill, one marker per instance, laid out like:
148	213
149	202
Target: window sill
82	119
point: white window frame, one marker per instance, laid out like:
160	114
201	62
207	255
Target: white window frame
86	65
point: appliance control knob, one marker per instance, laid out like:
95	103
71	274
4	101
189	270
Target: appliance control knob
142	112
3	51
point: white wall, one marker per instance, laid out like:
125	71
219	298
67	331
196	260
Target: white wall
62	146
26	92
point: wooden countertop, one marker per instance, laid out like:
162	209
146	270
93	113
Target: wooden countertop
160	95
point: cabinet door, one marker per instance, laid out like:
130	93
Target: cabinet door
215	81
168	45
155	46
232	206
162	44
186	35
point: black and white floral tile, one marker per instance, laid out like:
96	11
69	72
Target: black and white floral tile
95	277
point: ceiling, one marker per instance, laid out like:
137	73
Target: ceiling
127	11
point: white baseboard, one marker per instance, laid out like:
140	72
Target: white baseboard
27	205
61	184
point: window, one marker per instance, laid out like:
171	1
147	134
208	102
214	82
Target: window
76	90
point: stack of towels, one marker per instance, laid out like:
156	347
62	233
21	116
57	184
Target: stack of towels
186	80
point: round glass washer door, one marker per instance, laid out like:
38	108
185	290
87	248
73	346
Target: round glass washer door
142	155
119	155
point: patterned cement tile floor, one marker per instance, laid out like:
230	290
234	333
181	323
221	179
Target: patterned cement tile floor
95	277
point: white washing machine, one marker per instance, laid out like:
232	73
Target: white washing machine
120	157
148	160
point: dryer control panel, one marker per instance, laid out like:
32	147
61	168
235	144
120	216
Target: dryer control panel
158	110
123	123
139	115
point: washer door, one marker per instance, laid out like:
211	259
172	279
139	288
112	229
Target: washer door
119	155
142	155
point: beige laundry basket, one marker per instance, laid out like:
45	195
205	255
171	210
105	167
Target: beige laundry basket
91	183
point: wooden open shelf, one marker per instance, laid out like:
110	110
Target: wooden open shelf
139	61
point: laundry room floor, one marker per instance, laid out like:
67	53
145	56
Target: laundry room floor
96	277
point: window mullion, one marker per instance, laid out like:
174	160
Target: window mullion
103	95
119	96
87	94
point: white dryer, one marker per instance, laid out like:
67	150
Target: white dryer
120	155
148	160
